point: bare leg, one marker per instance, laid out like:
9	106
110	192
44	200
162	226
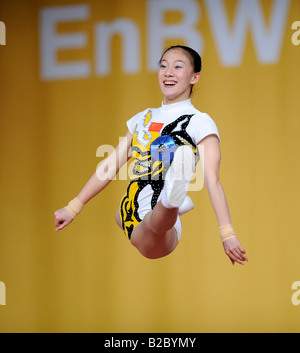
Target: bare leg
155	236
118	219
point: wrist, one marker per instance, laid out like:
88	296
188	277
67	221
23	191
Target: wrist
226	232
74	207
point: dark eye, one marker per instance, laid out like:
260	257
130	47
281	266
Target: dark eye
178	67
163	66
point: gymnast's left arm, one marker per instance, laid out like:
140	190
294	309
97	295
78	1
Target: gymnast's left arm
210	162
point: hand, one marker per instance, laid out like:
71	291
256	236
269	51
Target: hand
61	219
235	251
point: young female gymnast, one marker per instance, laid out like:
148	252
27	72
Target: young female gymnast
163	143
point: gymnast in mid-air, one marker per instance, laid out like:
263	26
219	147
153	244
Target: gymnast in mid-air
163	143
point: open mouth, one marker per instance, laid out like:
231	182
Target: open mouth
169	83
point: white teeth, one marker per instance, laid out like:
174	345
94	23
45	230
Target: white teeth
170	83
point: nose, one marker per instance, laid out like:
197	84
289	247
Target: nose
169	72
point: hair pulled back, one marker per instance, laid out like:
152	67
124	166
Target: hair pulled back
193	55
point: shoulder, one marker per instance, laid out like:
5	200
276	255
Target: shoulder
139	118
143	113
202	118
203	125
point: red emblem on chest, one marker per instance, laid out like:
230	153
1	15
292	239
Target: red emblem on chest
156	127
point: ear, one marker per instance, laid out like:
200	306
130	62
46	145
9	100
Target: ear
195	78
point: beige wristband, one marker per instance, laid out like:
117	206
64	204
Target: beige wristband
74	207
226	232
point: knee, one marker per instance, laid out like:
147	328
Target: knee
153	247
144	249
142	244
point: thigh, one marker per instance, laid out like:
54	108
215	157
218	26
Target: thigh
118	219
153	245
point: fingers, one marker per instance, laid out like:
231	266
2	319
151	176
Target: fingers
61	219
236	256
57	221
61	225
235	252
240	255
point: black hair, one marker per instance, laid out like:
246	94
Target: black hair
194	56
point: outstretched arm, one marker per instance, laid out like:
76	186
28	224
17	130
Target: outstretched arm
211	166
105	172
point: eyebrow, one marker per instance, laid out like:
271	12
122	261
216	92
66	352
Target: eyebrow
175	60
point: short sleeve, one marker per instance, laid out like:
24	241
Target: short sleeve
201	126
131	123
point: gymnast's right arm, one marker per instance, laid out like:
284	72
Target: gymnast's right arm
105	172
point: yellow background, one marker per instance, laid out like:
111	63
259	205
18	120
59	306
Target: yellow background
88	278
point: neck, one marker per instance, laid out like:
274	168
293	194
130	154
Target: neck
167	101
178	105
172	102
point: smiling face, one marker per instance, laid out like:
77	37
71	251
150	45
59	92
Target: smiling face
176	76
